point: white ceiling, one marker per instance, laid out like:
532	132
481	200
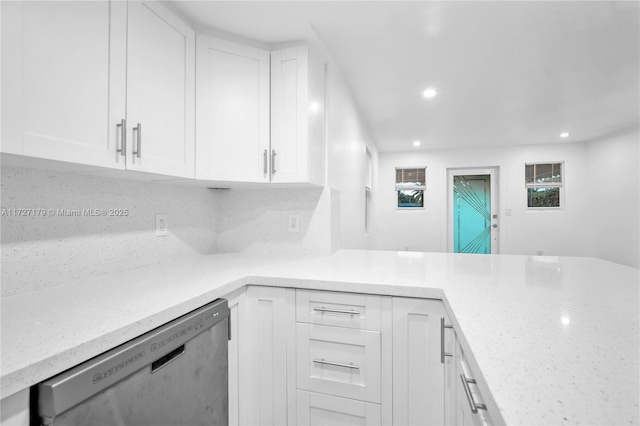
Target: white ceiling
507	73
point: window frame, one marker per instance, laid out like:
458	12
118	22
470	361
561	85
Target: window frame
534	185
399	187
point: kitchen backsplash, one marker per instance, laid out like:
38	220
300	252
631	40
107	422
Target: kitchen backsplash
257	220
59	227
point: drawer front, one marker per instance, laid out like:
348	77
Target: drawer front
339	361
318	409
361	311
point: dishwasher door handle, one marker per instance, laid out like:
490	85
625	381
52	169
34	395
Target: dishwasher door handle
171	356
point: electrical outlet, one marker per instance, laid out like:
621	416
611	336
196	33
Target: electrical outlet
162	229
294	223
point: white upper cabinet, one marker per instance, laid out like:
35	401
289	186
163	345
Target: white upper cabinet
297	116
78	77
260	114
232	106
63	80
160	91
113	84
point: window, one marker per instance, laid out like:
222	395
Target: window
410	186
544	185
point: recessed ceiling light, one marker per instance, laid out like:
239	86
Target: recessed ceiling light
564	134
416	143
430	93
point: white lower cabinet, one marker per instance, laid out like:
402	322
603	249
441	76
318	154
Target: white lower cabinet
418	367
348	310
410	369
343	359
306	357
339	361
236	301
320	409
14	409
262	356
450	352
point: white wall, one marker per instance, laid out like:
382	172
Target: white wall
562	232
347	139
255	220
601	212
45	251
614	182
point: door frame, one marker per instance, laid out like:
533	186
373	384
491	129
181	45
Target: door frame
493	172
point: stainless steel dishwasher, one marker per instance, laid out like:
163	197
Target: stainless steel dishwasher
174	375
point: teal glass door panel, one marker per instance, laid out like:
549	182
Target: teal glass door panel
472	214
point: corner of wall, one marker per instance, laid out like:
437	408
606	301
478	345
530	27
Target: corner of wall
256	220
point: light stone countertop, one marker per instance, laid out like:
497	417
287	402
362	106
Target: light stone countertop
557	339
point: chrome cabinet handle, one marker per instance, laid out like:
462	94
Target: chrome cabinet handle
138	146
442	352
264	162
273	161
123	137
467	390
336	364
337	311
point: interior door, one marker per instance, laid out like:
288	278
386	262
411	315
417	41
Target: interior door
473	217
160	91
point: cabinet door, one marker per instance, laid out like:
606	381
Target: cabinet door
297	116
232	107
288	113
263	362
451	378
160	91
418	374
63	80
14	409
238	329
315	409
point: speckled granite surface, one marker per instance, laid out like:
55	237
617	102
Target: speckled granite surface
556	339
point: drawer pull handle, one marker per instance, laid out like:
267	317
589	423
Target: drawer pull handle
138	148
337	364
467	390
264	162
337	311
442	351
123	137
273	161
